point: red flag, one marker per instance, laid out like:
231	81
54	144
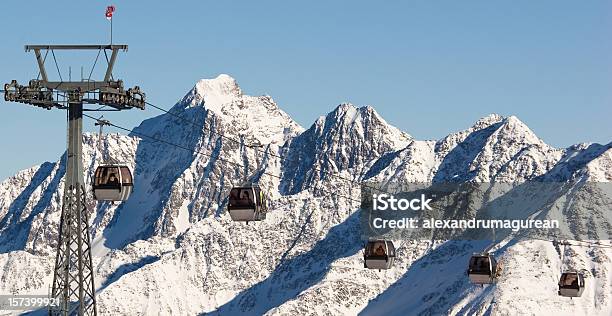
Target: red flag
109	12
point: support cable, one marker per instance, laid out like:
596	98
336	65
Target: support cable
577	243
57	66
206	154
94	65
257	148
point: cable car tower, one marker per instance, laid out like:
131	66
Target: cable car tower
73	277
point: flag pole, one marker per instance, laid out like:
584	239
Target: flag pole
109	16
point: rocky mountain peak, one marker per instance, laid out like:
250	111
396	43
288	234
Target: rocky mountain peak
487	121
213	94
220	101
347	118
217	91
346	138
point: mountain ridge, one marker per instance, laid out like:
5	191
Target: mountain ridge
171	248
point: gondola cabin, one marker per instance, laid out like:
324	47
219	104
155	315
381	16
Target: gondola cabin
247	203
379	254
482	269
571	284
112	183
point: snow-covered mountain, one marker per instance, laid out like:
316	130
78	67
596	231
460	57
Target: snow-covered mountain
172	249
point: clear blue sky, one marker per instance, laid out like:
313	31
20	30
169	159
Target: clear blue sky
428	67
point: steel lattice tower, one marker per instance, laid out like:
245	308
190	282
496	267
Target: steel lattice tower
73	278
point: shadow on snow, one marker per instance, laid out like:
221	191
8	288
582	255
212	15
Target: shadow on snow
17	232
433	283
294	275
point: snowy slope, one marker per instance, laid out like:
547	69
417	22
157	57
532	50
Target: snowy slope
172	248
